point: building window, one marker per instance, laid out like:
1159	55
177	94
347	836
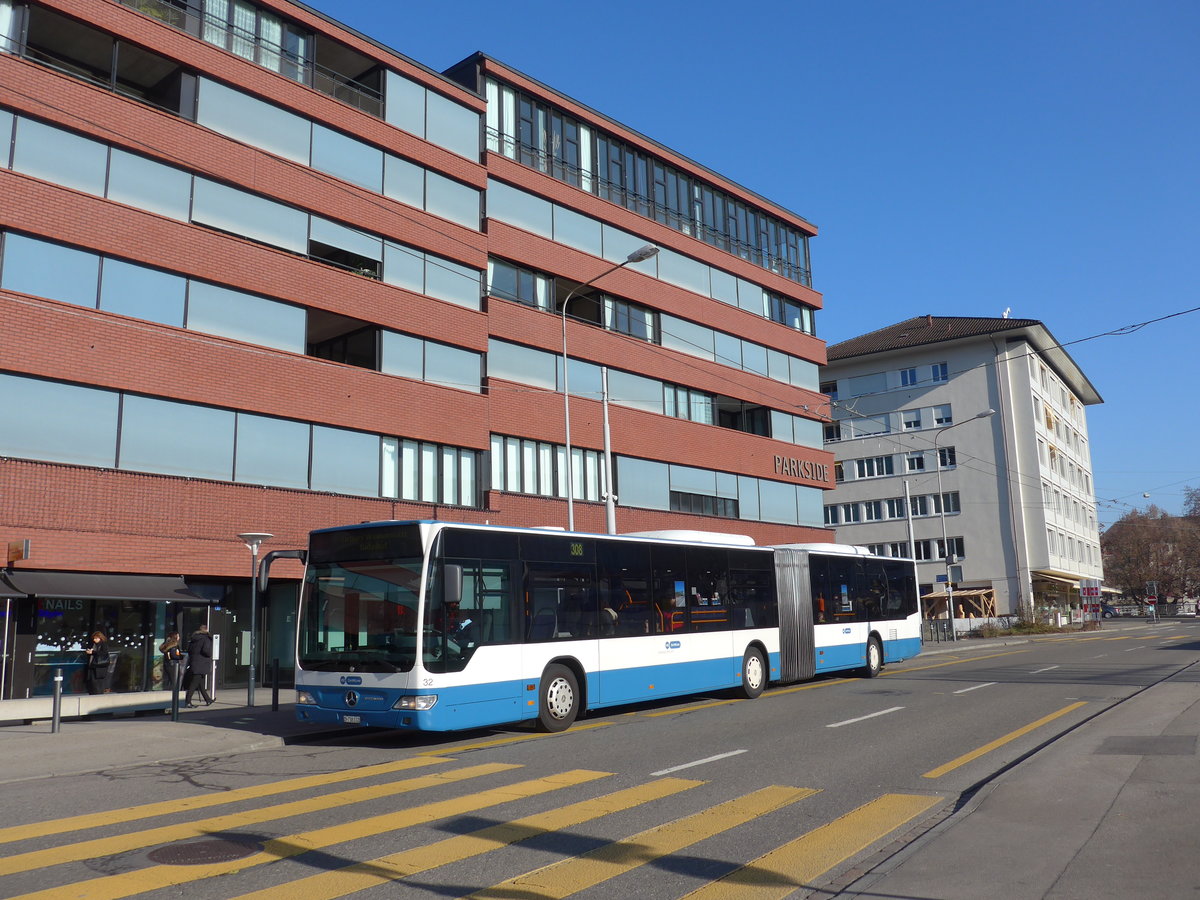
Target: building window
939	372
513	282
947	458
791	313
942	415
873	510
915	461
957	548
874	467
910	419
831	515
924	550
920	505
895	508
851	513
839	472
704	505
877	549
631	319
949	500
908	377
522	466
898	550
833	432
684	403
830	388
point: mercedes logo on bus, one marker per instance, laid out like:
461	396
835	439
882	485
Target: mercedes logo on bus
352	698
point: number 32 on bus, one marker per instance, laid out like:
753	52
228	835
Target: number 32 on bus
439	626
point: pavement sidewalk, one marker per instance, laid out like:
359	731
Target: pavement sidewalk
1109	810
101	744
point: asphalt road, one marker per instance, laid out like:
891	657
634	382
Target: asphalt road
653	801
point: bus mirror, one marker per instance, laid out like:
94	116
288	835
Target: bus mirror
452	577
264	567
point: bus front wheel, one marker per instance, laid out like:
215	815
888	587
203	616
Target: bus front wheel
754	673
558	702
874	658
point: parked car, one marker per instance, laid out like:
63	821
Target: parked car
1109	611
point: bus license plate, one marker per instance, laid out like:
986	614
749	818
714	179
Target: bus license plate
352	720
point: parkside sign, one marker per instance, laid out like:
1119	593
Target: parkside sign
801	468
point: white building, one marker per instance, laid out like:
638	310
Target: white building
984	417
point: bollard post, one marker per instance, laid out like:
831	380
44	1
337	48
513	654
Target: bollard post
275	685
56	717
175	694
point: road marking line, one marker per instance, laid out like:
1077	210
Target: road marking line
797	863
1000	742
218	798
882	712
698	762
955	662
36	859
690	707
1040	671
773	692
359	877
976	687
514	739
568	876
153	878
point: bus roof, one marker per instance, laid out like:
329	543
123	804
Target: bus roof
678	536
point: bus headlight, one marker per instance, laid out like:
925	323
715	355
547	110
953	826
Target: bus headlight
304	698
418	701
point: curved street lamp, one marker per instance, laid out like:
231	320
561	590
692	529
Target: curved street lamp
942	506
253	540
639	255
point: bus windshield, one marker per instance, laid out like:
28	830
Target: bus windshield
360	616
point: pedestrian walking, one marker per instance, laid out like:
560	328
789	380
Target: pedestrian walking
96	673
199	665
173	659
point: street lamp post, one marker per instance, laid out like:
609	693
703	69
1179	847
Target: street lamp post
942	507
253	540
639	255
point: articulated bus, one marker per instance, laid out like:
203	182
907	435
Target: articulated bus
441	626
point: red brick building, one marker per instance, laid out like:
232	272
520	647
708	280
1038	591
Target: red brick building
261	273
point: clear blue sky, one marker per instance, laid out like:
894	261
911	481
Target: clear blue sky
959	158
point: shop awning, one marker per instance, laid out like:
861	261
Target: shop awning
1069	582
88	586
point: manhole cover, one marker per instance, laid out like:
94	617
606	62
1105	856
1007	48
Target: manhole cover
200	853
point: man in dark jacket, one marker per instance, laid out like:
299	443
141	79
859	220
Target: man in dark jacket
199	665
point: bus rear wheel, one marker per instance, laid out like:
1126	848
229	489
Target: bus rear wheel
558	699
754	673
874	659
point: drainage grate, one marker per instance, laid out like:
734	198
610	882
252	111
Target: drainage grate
206	852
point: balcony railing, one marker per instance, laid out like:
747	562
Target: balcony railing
183	15
591	181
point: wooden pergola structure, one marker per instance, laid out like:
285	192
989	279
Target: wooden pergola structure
969	603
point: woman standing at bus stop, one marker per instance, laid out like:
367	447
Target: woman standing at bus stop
96	674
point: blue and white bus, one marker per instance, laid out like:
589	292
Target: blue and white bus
441	626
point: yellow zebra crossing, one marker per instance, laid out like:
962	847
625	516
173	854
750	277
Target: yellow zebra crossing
798	860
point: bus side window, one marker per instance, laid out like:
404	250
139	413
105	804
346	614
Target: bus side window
818	572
